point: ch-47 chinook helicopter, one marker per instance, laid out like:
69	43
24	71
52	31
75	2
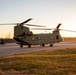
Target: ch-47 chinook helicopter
2	41
23	35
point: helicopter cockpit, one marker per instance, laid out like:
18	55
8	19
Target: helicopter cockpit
22	31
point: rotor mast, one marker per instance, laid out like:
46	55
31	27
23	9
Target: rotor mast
56	31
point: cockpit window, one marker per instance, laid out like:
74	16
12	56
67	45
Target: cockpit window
24	33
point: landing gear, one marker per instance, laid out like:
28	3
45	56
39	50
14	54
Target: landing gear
21	45
51	45
29	46
43	45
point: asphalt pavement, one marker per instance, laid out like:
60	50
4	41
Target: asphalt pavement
13	48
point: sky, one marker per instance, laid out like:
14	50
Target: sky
48	13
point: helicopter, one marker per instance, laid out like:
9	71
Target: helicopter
23	35
2	41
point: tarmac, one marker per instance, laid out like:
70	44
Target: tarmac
13	48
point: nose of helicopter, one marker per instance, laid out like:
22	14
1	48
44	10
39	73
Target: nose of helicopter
17	39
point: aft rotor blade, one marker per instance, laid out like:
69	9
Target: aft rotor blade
67	30
58	26
35	25
26	21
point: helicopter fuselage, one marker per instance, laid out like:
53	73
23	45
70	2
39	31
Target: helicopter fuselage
36	39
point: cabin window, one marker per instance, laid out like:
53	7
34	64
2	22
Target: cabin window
57	37
38	38
24	33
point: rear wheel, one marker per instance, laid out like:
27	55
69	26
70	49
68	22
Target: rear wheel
21	45
51	45
29	46
43	45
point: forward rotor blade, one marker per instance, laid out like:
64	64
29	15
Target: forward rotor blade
26	21
67	30
17	23
9	24
35	25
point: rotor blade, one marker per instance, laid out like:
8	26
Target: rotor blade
26	21
35	25
9	24
41	29
58	26
67	30
17	23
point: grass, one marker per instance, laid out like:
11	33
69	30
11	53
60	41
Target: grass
58	62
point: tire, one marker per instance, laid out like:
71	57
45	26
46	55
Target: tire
43	45
29	46
21	45
51	45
